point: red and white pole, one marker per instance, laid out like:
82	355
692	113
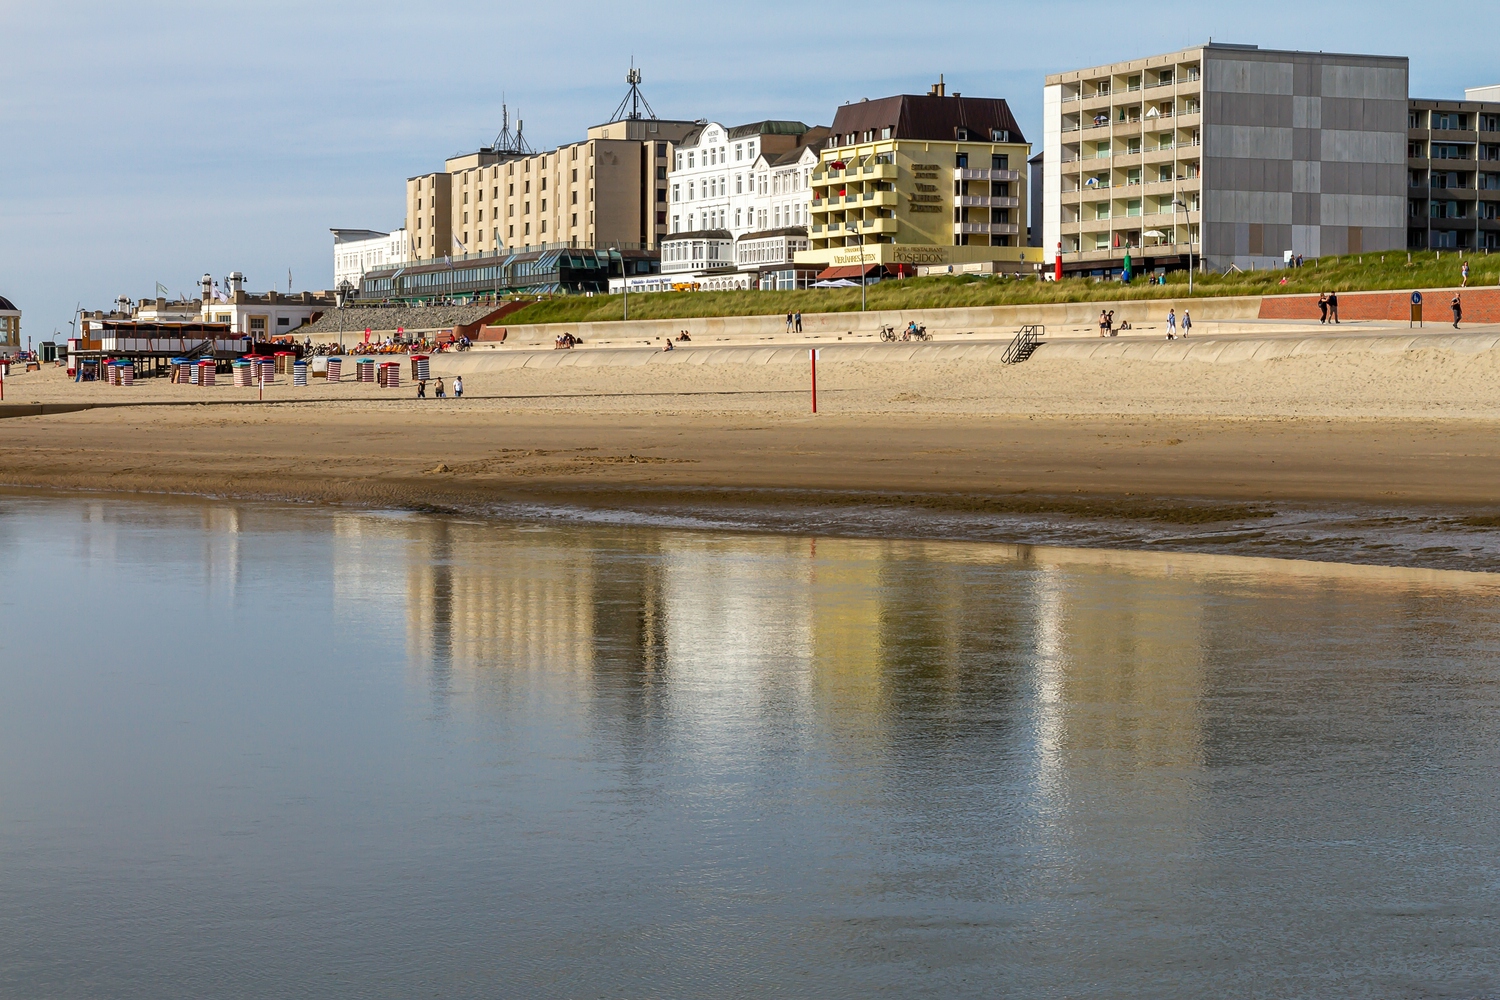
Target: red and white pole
813	356
1057	263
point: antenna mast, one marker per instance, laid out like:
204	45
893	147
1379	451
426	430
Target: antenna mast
634	100
507	142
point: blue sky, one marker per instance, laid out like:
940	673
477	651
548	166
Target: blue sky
145	140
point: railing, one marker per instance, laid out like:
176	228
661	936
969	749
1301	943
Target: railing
1026	341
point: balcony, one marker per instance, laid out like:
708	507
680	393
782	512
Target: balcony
981	201
873	172
966	174
982	228
878	226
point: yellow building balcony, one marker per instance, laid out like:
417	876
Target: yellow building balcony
986	228
966	174
980	201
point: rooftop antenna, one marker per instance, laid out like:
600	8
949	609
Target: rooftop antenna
513	144
634	100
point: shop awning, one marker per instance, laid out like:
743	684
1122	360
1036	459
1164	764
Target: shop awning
851	273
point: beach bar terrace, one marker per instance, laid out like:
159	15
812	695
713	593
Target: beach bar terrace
151	345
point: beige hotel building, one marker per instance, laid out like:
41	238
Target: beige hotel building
610	190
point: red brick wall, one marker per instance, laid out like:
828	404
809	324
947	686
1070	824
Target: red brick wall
1481	305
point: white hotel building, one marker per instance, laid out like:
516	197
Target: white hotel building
356	251
738	206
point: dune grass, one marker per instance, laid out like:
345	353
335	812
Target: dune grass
1356	272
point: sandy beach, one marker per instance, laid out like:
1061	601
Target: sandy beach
1418	426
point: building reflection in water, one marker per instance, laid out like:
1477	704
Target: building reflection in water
1091	669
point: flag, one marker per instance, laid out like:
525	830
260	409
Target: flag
161	289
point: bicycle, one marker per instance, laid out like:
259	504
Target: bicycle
887	334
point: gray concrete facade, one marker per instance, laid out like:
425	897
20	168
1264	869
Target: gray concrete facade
1303	152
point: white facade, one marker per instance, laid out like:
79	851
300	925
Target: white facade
356	251
259	316
705	171
781	196
732	185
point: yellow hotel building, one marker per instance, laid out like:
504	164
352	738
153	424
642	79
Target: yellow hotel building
921	181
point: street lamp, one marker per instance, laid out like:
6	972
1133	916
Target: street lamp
1176	204
861	267
341	297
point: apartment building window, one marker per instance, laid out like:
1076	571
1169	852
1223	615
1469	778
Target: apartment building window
544	183
528	229
661	218
737	222
526	188
419	242
676	192
526	208
1414	119
544	204
466	218
690	191
999	189
886	132
661	173
1000	161
961	161
661	149
1489	152
510	232
1489	123
510	211
661	196
999	216
1489	182
690	161
1449	151
676	223
1101	211
1414	150
1133	207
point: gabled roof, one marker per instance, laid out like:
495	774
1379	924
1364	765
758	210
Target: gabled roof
769	127
935	119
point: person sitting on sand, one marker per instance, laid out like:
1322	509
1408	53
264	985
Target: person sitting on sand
668	346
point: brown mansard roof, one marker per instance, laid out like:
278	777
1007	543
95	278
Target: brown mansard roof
935	119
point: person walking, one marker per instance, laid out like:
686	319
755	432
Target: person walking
422	389
438	390
1103	321
788	322
458	387
1466	275
1187	323
1109	322
1458	310
1323	308
1333	306
1171	324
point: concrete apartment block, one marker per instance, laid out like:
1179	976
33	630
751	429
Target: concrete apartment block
1234	153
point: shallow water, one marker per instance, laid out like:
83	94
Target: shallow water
264	751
